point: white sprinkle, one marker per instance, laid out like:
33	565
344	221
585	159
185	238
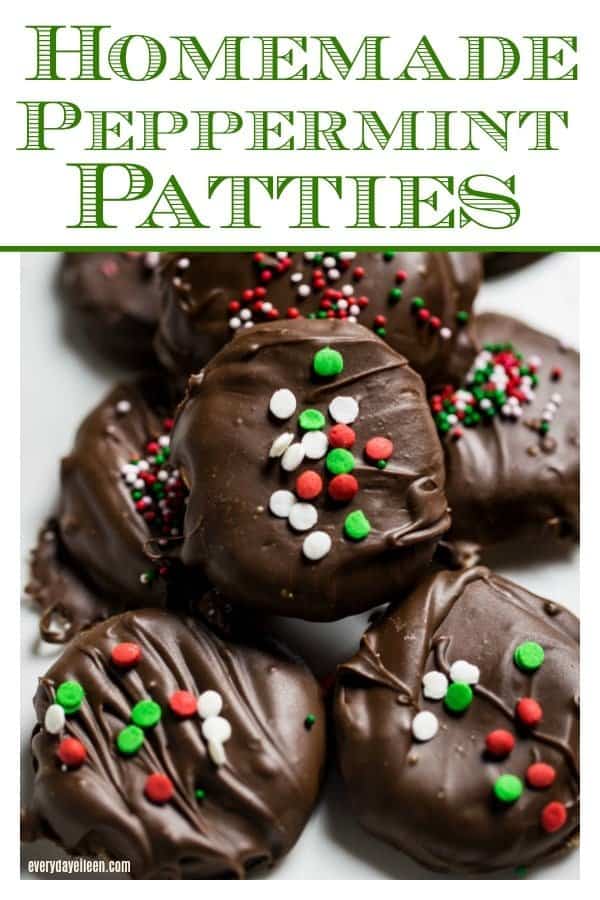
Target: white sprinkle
535	362
164	440
461	670
249	324
183	263
445	333
343	409
435	685
452	419
303	290
235	323
485	403
217	753
556	398
131	478
144	579
281	502
54	720
123	407
245	314
296	277
315	444
351	319
332	274
328	261
316	545
348	290
354	310
292	457
280	444
342	304
210	703
348	254
302	516
162	475
217	729
152	259
283	404
267	307
139	483
424	725
309	255
281	254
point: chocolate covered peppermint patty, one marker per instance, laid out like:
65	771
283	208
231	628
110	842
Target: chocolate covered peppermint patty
316	478
120	510
511	440
116	298
162	744
418	302
457	725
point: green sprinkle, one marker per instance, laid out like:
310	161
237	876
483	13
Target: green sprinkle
328	362
200	794
339	461
508	788
312	420
146	713
388	255
70	696
462	317
521	872
381	332
357	526
381	463
418	303
459	697
130	739
322	314
395	294
529	656
309	721
137	495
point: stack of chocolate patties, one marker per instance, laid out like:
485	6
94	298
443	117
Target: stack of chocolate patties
331	432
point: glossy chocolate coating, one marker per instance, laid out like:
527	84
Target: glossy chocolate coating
255	804
433	799
503	480
89	559
195	319
116	299
221	442
499	263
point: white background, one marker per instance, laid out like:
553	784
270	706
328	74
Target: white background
558	191
545	294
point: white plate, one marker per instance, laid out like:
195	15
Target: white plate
60	385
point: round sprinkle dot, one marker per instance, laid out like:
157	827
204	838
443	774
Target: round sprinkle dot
292	457
146	714
424	726
435	685
210	704
339	461
183	704
126	654
357	526
159	788
461	670
316	545
280	444
343	488
70	696
328	362
553	816
281	502
508	788
315	444
216	729
378	448
459	697
540	775
344	410
529	712
200	794
123	407
130	739
342	436
312	420
310	721
71	752
54	720
499	743
302	516
283	404
529	656
309	485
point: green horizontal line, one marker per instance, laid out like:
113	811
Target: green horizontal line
123	248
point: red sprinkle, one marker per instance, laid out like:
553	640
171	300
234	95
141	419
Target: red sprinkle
554	816
258	256
260	292
126	654
71	752
266	275
379	321
309	485
341	436
435	322
234	306
109	268
540	775
343	488
556	373
292	312
401	276
378	448
247	295
158	788
183	704
424	315
499	743
359	273
529	712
